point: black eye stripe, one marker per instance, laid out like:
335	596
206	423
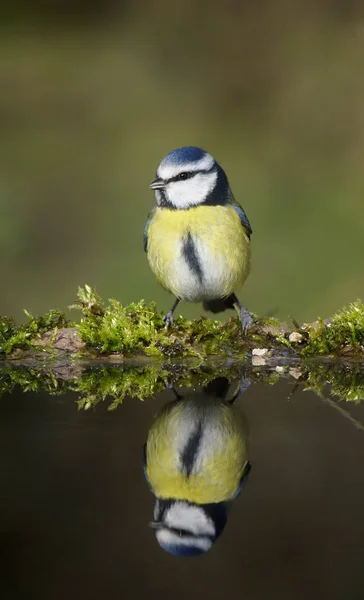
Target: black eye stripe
188	174
185	533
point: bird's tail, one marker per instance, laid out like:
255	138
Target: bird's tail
218	387
219	305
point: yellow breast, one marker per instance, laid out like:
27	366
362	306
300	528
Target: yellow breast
221	246
219	465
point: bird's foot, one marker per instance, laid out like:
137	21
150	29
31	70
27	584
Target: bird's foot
169	385
244	385
168	319
246	319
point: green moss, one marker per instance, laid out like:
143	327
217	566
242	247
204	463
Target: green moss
7	331
283	340
139	329
133	329
191	353
345	331
23	336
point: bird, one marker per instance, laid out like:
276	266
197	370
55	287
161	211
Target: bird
195	461
197	237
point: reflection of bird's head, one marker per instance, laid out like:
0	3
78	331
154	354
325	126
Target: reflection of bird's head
189	176
195	463
187	529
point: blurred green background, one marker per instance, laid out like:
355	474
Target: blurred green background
94	94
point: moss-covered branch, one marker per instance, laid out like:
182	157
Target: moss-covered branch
138	330
114	351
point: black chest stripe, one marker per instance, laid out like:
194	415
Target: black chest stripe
190	451
191	256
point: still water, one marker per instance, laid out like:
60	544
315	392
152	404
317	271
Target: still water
75	506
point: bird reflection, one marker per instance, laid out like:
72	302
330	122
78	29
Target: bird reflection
195	461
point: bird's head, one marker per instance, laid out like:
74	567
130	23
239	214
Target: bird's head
186	529
190	176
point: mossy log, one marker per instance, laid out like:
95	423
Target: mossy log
114	351
116	332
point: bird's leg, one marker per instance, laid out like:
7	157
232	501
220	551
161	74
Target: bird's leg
170	386
168	318
244	385
246	319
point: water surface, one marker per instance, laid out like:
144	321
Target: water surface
75	506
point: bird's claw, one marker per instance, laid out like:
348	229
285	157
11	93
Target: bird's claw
246	320
244	385
168	319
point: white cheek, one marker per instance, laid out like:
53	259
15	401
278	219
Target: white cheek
168	538
193	518
190	192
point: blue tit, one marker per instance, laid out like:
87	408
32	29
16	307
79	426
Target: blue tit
197	238
195	460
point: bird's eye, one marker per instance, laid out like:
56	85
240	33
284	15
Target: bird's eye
183	176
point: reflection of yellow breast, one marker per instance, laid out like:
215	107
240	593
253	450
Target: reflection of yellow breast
221	459
220	242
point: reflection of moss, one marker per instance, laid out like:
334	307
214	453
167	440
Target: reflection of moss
116	383
31	380
23	336
142	380
345	381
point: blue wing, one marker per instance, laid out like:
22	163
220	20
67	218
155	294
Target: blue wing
145	236
243	218
243	479
145	463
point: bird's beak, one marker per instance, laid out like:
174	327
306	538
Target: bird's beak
157	184
156	525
